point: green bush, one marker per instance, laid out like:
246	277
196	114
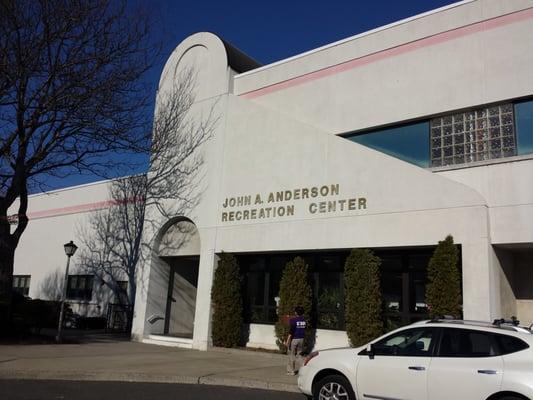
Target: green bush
227	303
443	290
294	290
33	315
363	297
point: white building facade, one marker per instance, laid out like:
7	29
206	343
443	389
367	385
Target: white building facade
389	140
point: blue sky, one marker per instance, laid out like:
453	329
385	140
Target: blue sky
268	30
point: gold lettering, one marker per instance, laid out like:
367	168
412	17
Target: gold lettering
232	202
314	191
324	190
281	211
231	216
247	200
312	208
253	214
271	198
290	210
297	194
261	213
322	207
334	189
288	195
238	215
332	206
351	204
362	203
225	204
342	203
279	196
246	214
224	216
305	193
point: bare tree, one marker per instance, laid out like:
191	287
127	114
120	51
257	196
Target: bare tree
112	242
70	93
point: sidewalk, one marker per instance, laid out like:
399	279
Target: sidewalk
137	362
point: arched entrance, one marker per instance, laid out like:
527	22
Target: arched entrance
179	251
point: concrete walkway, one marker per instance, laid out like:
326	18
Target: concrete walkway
137	362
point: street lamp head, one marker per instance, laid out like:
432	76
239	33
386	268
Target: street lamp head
70	248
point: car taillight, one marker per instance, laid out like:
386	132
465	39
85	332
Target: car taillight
310	357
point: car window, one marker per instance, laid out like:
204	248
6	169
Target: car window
510	344
466	343
409	342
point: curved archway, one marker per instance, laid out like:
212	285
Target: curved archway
178	252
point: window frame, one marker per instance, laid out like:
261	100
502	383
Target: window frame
23	290
432	347
492	337
88	292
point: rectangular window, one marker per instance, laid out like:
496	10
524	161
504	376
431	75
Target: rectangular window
478	135
80	287
122	297
21	284
524	127
403	285
407	142
466	343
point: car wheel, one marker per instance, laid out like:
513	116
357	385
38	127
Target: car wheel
333	387
511	398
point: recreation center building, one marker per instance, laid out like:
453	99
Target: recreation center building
390	140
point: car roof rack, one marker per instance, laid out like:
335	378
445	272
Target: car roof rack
512	324
502	321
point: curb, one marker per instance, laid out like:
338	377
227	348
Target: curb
257	353
136	377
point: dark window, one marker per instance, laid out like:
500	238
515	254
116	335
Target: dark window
403	286
122	292
407	142
466	343
21	284
510	344
80	287
524	127
417	342
328	285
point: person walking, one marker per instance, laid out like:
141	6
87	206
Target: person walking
295	340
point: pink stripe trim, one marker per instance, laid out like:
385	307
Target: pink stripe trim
393	51
54	212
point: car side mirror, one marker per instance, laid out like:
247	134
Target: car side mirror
370	351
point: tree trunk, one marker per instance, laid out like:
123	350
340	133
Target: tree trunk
7	256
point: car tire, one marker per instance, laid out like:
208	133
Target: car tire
333	385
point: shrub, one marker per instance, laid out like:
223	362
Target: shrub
363	297
294	290
227	303
443	290
33	315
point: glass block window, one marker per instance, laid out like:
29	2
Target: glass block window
478	135
21	284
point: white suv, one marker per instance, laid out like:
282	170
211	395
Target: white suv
433	360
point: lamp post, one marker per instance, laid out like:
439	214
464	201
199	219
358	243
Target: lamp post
70	249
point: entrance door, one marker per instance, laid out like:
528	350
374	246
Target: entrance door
181	301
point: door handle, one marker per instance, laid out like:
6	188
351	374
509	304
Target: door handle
487	371
417	368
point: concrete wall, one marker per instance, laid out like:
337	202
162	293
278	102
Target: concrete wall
467	54
57	217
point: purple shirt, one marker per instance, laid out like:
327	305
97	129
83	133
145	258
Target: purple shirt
297	327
